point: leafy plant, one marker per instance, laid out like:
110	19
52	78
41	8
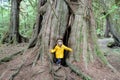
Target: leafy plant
27	17
4	20
111	10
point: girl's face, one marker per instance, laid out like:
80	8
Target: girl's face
59	42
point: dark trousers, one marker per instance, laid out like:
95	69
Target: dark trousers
59	60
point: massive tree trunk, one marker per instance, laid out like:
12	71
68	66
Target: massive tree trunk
13	34
74	21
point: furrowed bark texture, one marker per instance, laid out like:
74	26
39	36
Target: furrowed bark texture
74	23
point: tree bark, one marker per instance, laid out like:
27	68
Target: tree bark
113	25
117	2
75	23
108	24
38	25
117	24
13	35
107	30
76	27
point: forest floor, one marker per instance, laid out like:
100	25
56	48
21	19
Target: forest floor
14	68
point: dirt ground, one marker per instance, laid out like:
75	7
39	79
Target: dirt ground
41	70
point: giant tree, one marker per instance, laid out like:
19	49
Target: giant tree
73	20
13	34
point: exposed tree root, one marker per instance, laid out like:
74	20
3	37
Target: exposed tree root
58	76
78	72
16	72
3	74
12	76
113	70
36	58
32	42
9	38
8	58
113	44
39	72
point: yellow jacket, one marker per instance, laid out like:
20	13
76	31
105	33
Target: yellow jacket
59	51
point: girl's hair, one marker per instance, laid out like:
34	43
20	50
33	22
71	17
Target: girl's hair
60	38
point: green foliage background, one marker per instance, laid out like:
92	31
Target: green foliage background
100	18
4	20
27	17
28	10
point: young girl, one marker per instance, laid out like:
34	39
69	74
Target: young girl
59	50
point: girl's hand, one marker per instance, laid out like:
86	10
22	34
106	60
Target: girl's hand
51	51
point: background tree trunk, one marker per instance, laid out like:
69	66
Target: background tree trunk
13	35
112	24
117	24
117	2
107	29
